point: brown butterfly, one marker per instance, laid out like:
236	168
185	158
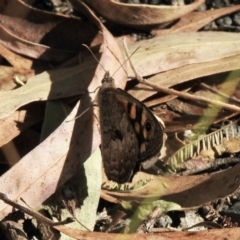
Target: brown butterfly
130	133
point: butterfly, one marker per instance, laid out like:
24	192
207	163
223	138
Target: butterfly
131	135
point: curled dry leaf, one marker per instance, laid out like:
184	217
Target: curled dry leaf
128	14
33	33
231	233
187	191
196	20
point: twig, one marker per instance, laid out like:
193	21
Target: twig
220	93
71	213
175	92
212	165
148	224
36	215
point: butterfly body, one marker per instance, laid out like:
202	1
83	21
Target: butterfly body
129	131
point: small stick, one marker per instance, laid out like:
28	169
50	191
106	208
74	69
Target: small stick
220	93
66	206
218	162
36	215
175	92
148	224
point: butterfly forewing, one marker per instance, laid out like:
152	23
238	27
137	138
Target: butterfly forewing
119	141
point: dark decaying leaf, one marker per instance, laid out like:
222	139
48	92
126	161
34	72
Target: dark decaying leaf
128	14
43	35
196	20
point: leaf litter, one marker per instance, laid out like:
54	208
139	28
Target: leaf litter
170	60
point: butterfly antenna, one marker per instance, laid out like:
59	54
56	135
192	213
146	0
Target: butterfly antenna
84	45
121	64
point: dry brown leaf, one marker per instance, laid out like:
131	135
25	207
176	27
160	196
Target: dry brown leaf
189	72
42	167
128	14
176	50
49	85
178	58
31	49
196	20
14	59
20	120
32	33
58	158
187	191
184	74
219	234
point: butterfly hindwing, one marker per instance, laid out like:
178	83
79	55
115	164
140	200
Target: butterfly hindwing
149	131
